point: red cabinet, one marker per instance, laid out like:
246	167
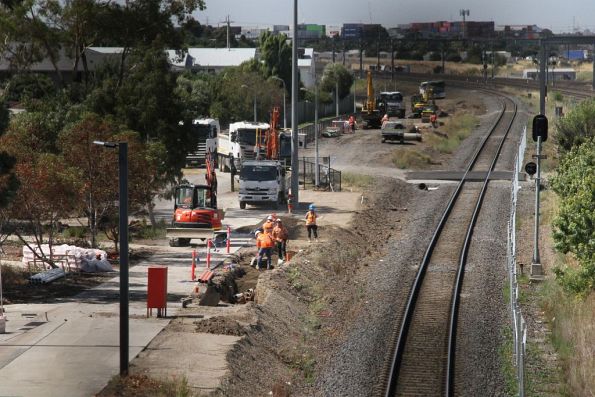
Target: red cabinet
157	290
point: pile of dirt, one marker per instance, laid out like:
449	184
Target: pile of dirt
304	307
220	325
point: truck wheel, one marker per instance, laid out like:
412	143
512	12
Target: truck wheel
243	205
174	242
184	242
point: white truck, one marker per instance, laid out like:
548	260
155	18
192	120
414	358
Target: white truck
206	131
263	181
239	143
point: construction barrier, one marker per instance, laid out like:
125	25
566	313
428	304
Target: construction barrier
193	268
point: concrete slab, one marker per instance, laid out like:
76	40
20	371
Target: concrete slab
203	363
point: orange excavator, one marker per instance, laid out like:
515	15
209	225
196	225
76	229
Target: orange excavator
195	209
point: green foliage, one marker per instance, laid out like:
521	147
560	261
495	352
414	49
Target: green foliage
28	86
336	73
574	226
194	91
576	126
275	54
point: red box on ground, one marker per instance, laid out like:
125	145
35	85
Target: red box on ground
157	290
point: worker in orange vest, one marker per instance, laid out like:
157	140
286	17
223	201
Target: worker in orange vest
264	243
352	123
280	235
311	222
384	119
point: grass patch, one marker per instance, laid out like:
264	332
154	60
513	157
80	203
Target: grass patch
410	159
356	180
506	353
294	276
142	385
457	129
573	336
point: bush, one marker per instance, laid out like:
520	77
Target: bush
28	86
574	226
576	127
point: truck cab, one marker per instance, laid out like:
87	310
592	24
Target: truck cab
393	103
263	181
243	141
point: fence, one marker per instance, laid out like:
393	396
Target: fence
328	177
305	110
518	322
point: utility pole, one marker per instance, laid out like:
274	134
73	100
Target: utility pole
464	13
295	182
337	96
361	60
392	60
227	21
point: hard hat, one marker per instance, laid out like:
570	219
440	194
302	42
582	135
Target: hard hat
270	218
278	220
312	207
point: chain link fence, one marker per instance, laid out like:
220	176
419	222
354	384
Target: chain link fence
329	178
519	327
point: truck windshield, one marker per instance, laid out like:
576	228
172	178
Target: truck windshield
396	97
258	173
248	136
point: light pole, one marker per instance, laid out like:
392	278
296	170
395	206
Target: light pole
284	108
295	181
123	229
337	97
255	118
354	90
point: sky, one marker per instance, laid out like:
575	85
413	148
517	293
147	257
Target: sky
559	16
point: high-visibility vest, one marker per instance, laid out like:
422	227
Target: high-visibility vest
311	218
264	240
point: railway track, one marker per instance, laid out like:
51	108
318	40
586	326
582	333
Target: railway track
423	356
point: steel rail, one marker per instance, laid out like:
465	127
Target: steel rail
413	296
452	332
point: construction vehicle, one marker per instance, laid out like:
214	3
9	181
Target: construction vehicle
265	179
371	114
195	209
392	104
239	143
205	131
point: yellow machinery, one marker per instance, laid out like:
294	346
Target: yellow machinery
371	115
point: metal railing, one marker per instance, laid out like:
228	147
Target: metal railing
519	327
330	179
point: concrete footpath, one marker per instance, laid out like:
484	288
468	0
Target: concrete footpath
71	348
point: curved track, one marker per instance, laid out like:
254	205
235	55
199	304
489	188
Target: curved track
423	359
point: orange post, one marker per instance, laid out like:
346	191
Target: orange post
208	254
192	272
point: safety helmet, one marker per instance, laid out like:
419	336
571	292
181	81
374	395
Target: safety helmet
270	218
312	207
278	220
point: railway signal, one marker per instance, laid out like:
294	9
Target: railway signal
540	127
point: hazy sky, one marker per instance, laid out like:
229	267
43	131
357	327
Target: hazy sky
555	15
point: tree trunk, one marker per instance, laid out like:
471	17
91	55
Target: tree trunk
150	208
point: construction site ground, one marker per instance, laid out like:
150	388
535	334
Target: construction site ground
302	308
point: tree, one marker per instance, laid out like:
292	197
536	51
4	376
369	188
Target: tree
98	171
8	180
576	127
574	226
235	90
333	73
195	93
275	53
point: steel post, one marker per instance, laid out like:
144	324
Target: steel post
542	87
536	268
294	100
317	171
123	230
